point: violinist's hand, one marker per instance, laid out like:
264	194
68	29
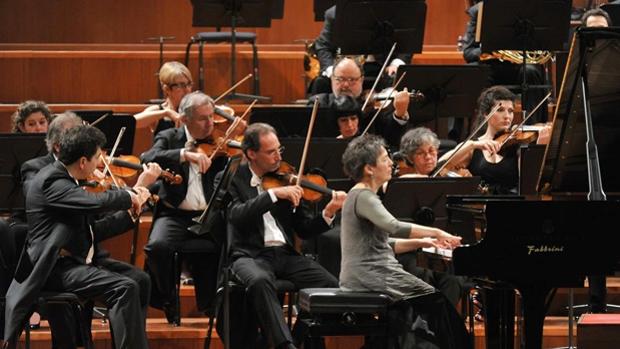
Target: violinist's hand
201	159
98	174
149	175
139	196
292	193
335	204
401	104
446	240
175	117
544	135
490	146
391	70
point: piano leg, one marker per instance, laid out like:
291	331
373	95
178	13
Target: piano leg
534	311
499	317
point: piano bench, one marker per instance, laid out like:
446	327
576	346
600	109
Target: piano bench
333	312
598	331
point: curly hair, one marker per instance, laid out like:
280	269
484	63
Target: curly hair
27	108
363	150
489	97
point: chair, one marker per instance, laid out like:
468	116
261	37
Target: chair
218	37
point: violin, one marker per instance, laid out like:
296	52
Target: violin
314	185
131	167
387	95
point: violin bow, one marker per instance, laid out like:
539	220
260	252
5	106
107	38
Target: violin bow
121	132
383	104
231	128
304	154
456	151
520	125
374	85
232	88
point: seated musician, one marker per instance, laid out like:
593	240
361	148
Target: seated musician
176	81
347	81
29	169
504	71
176	149
326	53
31	117
264	224
62	236
484	156
596	17
368	261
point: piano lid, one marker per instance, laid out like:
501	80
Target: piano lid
565	169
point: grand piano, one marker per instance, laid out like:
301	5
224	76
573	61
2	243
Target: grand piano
533	245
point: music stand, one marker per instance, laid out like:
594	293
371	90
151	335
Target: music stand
613	10
323	153
111	126
15	149
320	6
449	90
209	218
524	25
365	27
293	121
235	13
425	198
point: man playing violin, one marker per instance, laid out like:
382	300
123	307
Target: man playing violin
58	317
347	81
174	149
263	224
63	231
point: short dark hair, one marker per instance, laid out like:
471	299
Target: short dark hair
25	109
61	123
83	140
489	97
251	137
595	12
363	150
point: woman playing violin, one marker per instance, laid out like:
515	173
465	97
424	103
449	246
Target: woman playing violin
176	82
418	149
485	156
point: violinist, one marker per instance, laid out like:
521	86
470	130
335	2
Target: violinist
176	81
347	81
263	225
326	52
31	117
57	317
174	149
62	237
418	148
485	156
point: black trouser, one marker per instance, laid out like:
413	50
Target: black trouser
168	233
119	293
259	277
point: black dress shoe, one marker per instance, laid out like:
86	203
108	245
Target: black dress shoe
172	314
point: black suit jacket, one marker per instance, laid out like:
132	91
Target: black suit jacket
245	217
471	48
326	50
59	213
384	126
166	151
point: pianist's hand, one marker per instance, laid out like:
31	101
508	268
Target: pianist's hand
446	240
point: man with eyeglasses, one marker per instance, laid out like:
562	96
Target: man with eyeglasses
347	81
263	224
174	149
326	53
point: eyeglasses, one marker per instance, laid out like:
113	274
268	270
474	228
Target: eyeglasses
273	152
181	85
341	79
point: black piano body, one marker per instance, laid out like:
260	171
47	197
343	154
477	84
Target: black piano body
535	246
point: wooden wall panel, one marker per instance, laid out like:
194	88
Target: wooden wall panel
120	21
